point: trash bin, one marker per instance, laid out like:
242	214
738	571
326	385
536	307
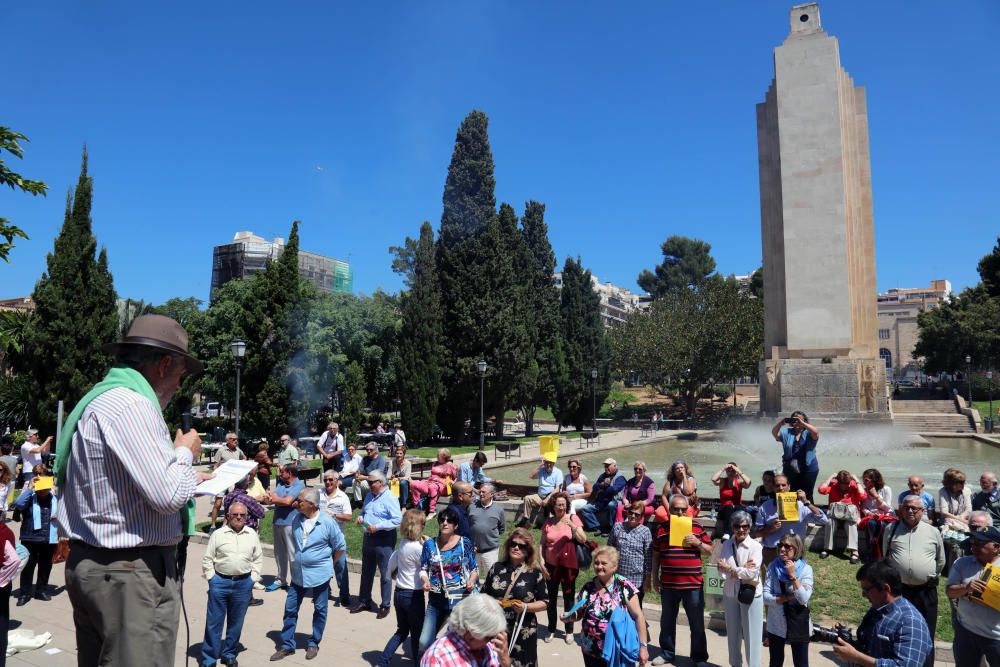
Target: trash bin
988	425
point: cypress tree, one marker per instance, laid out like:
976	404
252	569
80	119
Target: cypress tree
75	313
352	412
585	345
421	342
547	369
469	206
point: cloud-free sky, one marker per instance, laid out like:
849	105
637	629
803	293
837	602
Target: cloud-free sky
631	121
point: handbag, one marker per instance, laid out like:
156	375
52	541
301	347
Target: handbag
747	592
842	511
583	555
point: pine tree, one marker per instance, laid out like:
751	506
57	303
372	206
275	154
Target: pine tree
469	208
421	342
686	263
585	346
76	313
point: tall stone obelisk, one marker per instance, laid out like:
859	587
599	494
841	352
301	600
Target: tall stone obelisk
820	309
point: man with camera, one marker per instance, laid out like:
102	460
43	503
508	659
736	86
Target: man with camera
914	548
798	440
893	631
977	625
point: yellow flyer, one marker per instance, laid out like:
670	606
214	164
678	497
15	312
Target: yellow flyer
788	506
680	527
991	596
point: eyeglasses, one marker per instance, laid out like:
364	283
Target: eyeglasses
520	546
743	526
637	514
329	479
638	469
574	467
908	508
237	515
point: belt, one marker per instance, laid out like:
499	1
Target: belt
80	544
234	577
919	587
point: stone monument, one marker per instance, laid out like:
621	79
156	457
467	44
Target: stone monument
820	310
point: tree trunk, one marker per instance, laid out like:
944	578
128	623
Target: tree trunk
529	420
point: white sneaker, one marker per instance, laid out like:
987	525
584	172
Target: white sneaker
547	638
658	660
257	586
570	640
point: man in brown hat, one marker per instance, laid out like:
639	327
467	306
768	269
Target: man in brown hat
125	500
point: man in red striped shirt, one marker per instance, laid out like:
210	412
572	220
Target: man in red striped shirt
679	580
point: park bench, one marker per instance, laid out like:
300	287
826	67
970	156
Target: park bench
508	449
589	438
672	424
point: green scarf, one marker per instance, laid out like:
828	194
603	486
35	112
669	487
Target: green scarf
119	376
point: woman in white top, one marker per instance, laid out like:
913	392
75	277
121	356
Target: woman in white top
576	486
879	498
408	599
740	562
954	501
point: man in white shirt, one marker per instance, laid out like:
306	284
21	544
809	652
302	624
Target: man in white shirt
31	453
232	563
335	502
331	447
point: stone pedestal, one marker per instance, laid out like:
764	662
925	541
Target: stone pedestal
852	389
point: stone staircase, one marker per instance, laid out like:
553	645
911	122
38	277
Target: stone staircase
929	416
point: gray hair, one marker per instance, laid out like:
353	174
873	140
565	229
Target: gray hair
310	495
640	464
237	504
981	514
488	488
376	476
140	357
479	615
679	496
30	432
738	518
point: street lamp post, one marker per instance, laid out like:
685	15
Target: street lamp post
593	399
968	376
989	383
238	349
482	417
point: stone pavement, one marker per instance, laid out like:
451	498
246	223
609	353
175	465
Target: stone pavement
350	639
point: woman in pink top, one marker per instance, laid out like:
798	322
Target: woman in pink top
843	488
8	569
435	485
559	537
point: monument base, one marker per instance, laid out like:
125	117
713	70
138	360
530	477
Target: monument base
838	389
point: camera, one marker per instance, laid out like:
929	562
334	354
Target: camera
791	420
831	635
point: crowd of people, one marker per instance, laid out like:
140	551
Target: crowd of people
465	589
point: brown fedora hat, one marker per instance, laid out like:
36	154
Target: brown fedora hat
161	332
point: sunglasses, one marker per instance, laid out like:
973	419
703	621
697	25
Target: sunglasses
636	514
448	519
237	515
743	526
520	546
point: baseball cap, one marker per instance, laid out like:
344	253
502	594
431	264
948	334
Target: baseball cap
610	462
989	534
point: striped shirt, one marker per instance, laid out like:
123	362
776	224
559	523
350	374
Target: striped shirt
125	482
680	567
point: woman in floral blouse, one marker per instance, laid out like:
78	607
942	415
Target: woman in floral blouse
518	582
448	571
597	601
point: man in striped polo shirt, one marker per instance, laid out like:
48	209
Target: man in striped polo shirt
678	578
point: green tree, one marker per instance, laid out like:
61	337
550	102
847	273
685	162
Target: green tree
686	262
181	310
585	346
967	324
10	142
75	313
467	306
757	283
421	353
989	271
692	338
546	369
353	401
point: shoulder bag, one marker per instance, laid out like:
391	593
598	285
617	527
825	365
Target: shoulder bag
842	511
747	592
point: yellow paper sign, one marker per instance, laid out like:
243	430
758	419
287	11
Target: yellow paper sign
548	446
788	506
991	596
394	487
680	527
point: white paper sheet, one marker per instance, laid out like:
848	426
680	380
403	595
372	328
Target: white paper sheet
226	476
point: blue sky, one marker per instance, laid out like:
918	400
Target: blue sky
630	121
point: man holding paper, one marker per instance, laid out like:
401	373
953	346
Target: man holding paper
977	620
677	550
789	513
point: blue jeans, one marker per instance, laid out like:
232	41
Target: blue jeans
227	600
694	607
375	552
409	623
970	648
296	594
343	584
437	613
591	515
404	492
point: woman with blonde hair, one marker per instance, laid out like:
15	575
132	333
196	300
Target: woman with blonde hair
518	582
442	473
408	599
